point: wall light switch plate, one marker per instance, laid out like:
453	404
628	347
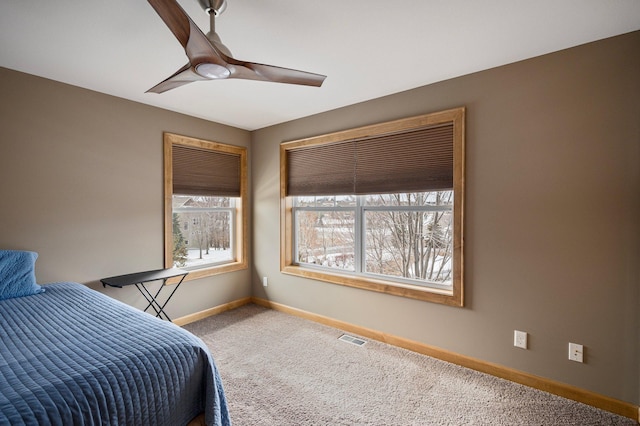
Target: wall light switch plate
520	339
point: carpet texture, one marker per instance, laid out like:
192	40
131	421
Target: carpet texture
281	370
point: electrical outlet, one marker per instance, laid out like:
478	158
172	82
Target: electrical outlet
520	339
265	281
576	352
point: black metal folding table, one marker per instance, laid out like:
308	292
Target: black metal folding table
140	278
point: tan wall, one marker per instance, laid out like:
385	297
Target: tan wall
552	217
81	184
552	228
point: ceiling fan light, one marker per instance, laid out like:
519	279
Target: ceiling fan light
212	71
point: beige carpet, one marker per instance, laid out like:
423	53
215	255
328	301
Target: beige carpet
281	370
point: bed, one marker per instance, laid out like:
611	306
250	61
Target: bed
70	355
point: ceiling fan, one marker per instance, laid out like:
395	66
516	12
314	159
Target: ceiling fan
209	59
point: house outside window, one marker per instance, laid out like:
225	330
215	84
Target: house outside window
378	208
205	192
210	238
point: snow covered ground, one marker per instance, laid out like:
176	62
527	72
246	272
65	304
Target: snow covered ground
214	256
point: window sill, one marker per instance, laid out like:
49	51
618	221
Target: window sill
214	270
450	298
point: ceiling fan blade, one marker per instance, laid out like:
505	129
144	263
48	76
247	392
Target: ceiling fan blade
287	75
196	45
181	77
200	49
175	18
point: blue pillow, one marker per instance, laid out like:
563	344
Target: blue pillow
17	274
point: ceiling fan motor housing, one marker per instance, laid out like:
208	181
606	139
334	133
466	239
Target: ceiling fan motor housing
215	6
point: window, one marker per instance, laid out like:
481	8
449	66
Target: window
209	241
403	236
378	207
205	192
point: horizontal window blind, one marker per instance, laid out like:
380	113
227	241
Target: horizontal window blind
199	171
412	160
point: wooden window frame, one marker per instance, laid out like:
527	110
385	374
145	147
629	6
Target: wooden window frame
241	220
453	297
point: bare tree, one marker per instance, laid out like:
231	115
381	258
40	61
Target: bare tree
419	241
404	242
306	235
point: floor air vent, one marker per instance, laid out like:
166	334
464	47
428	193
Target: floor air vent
352	340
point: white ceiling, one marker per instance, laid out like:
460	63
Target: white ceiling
367	48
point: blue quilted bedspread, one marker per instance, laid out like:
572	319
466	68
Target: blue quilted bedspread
73	356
